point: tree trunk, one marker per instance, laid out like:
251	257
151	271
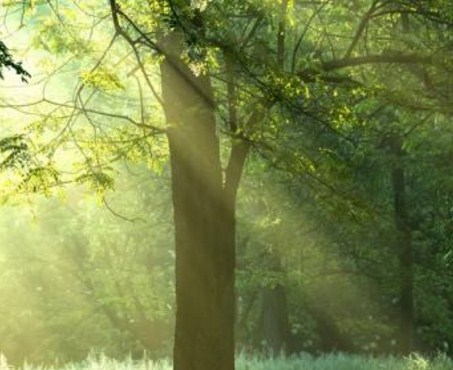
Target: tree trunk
274	322
204	219
404	250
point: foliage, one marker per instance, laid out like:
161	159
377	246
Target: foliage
6	60
15	150
88	268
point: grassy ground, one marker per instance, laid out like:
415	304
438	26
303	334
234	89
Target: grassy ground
304	362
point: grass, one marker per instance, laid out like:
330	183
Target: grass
346	362
244	362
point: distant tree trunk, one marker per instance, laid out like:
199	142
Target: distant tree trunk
404	249
274	319
274	322
204	216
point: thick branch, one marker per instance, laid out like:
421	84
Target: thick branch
238	155
232	96
376	59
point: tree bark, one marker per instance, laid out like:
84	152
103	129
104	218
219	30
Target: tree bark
204	219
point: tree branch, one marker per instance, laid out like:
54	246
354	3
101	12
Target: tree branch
362	25
376	59
239	152
281	35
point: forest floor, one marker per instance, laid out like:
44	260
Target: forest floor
303	362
